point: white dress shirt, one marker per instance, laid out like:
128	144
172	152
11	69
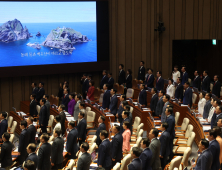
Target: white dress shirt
175	75
211	113
201	105
170	90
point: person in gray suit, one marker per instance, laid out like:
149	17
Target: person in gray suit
85	159
166	99
207	106
160	103
47	104
76	109
155	148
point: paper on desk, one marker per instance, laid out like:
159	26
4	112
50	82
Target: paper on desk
94	165
206	128
184	105
70	118
134	102
157	120
115	123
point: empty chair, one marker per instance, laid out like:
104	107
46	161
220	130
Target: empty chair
184	125
129	93
11	137
177	116
140	134
184	135
92	139
126	160
12	129
87	109
194	98
38	108
137	144
211	86
70	164
10	119
135	132
50	122
101	98
186	155
117	166
131	109
91	119
175	163
92	148
136	123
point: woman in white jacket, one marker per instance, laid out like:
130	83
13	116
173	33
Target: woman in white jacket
57	120
201	103
175	74
170	90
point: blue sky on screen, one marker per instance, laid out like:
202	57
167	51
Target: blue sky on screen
48	12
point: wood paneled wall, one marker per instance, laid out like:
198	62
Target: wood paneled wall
132	39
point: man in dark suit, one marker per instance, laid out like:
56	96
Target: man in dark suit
149	79
122	75
44	153
43	116
196	80
206	82
217	115
63	117
155	148
34	88
23	142
40	93
154	100
57	150
113	102
81	128
85	159
207	106
31	148
160	103
31	129
65	98
106	97
179	90
219	124
216	87
141	72
184	75
102	126
71	144
6	150
3	124
85	86
165	142
187	98
121	109
136	163
204	161
104	156
104	79
142	95
146	155
159	81
47	104
128	82
116	145
166	99
214	147
125	116
110	81
32	107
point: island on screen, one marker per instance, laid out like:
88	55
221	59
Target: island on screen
42	33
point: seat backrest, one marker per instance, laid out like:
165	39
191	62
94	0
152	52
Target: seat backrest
186	155
191	139
189	130
101	98
175	163
140	134
221	91
91	117
93	139
88	109
71	164
92	148
126	160
131	109
11	138
177	116
136	123
50	122
117	166
211	86
138	141
10	119
14	125
194	98
129	93
175	169
38	108
138	128
185	123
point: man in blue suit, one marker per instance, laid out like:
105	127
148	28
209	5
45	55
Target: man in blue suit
206	82
116	145
125	116
207	105
71	144
214	148
104	156
142	95
179	90
3	124
146	155
149	79
166	99
104	79
165	142
136	163
113	102
85	85
197	80
184	75
43	116
204	161
106	97
110	81
160	103
81	128
65	98
31	148
102	126
121	109
154	100
159	81
187	98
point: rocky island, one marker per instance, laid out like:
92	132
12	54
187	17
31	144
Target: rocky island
64	38
13	31
34	45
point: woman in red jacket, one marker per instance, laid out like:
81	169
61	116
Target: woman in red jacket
90	94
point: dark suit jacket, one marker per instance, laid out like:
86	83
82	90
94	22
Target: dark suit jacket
104	156
6	154
184	77
153	103
215	119
179	92
129	81
32	132
141	73
71	144
206	84
103	81
47	104
187	98
32	108
116	147
33	157
23	142
136	164
85	86
113	105
44	154
155	148
62	121
120	111
84	161
142	97
197	82
122	77
159	84
3	127
165	142
40	94
110	82
216	89
214	147
81	127
146	157
204	161
43	116
149	81
159	106
106	99
171	128
102	126
206	109
35	90
57	150
65	101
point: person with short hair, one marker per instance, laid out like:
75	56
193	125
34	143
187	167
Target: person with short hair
34	88
31	148
85	159
106	97
141	71
121	109
29	165
31	129
81	128
179	90
63	117
149	79
146	155
113	102
142	95
43	116
104	79
197	80
121	77
216	86
170	90
110	81
206	82
166	99
136	163
71	103
159	81
154	100
160	103
3	124
216	116
47	104
32	107
175	73
207	105
102	126
125	116
184	75
214	103
126	137
219	124
91	90
65	99
85	86
40	92
188	94
128	79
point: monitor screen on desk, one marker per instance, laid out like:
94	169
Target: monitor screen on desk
131	101
140	106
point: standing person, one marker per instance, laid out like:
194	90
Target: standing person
81	128
31	129
159	81
125	117
184	75
3	124
60	93
206	82
31	148
142	95
129	79
47	104
32	107
126	137
106	97
215	103
43	119
170	90
71	103
197	80
85	159
41	92
65	99
207	106
217	86
166	99
179	90
219	140
217	115
44	153
175	73
34	88
102	126
201	103
136	163
104	79
63	117
113	102
110	81
154	100
141	72
160	103
85	86
121	78
76	109
121	109
6	150
188	94
90	94
149	79
146	155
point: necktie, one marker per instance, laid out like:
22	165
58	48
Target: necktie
148	78
214	83
157	80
